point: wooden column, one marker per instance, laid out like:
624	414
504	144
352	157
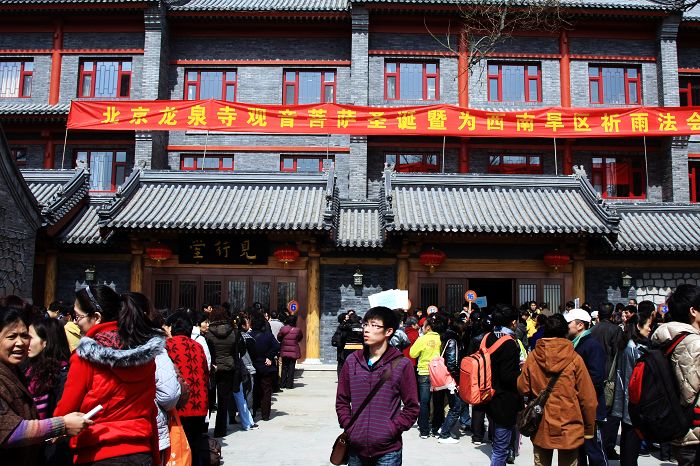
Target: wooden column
568	158
313	315
463	70
564	69
50	277
56	57
136	266
579	278
464	156
402	271
48	150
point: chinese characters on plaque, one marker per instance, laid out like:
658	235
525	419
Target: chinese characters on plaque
206	249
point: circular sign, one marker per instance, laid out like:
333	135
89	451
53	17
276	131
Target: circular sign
662	308
431	310
470	296
293	306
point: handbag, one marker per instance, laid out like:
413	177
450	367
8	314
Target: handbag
528	420
210	451
609	384
339	453
179	453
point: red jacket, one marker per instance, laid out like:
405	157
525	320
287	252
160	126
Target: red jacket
412	335
123	382
289	337
190	360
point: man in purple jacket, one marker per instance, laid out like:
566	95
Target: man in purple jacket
375	437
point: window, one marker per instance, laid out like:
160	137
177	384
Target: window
689	87
107	168
619	177
414	163
614	85
411	81
520	164
308	87
16	78
694	176
19	155
105	79
295	164
514	82
212	84
199	162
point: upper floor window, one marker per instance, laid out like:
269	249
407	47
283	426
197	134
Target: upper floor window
16	78
614	85
107	168
105	78
520	164
411	81
212	84
308	87
303	164
694	178
514	82
689	87
19	155
414	162
199	162
619	177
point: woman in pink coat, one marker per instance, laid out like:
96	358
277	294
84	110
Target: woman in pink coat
289	337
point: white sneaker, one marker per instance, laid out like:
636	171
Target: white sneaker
448	440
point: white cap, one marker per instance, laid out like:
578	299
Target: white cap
594	314
578	314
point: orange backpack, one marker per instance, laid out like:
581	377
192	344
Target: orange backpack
475	373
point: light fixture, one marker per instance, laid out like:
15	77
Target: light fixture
158	252
357	278
286	254
432	258
626	280
90	274
555	260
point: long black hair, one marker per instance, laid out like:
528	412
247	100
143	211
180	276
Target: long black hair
11	315
45	367
631	332
134	326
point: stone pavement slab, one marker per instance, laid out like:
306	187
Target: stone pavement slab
303	427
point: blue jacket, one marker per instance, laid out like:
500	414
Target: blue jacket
266	347
595	358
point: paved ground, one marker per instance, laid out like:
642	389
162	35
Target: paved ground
304	425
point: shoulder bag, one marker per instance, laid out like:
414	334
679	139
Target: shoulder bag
528	421
339	454
609	384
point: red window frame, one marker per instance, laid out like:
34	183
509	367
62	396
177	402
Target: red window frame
694	179
598	79
196	164
295	158
326	85
396	75
687	86
115	164
417	167
92	74
225	83
531	166
633	165
26	73
497	79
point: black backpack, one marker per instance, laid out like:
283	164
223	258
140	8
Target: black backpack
654	396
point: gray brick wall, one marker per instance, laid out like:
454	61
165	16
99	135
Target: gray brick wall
17	242
359	57
339	295
357	170
675	171
423	42
689	57
69	272
25	40
607	46
70	72
667	62
103	40
35	155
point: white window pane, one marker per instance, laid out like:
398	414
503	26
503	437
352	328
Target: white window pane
309	87
9	79
106	79
308	165
513	83
411	81
211	85
613	86
101	171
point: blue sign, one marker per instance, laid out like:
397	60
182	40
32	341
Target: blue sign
481	302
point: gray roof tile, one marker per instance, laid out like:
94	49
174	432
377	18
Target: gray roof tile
495	204
658	228
223	201
32	109
360	226
56	191
262	5
607	4
84	229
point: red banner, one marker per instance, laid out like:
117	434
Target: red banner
446	120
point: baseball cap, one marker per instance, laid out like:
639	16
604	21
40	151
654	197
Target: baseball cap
594	314
577	314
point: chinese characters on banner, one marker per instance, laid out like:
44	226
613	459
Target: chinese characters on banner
206	249
446	120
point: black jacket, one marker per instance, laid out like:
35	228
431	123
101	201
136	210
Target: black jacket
609	336
227	345
593	355
505	369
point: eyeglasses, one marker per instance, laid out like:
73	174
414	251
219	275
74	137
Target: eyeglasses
373	326
78	318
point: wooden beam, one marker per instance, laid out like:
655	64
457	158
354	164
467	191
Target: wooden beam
50	277
636	263
483	265
358	261
402	269
579	279
313	315
136	266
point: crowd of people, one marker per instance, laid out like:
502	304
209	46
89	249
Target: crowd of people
584	359
145	368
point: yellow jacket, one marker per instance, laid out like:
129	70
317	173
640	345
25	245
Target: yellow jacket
73	335
425	348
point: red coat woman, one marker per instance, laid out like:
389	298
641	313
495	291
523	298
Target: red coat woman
289	336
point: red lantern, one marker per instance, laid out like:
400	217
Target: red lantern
286	254
158	252
555	259
432	258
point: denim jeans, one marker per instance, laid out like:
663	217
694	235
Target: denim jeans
501	445
243	411
456	412
592	453
393	458
465	419
424	398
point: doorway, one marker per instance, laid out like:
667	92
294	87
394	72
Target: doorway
496	290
